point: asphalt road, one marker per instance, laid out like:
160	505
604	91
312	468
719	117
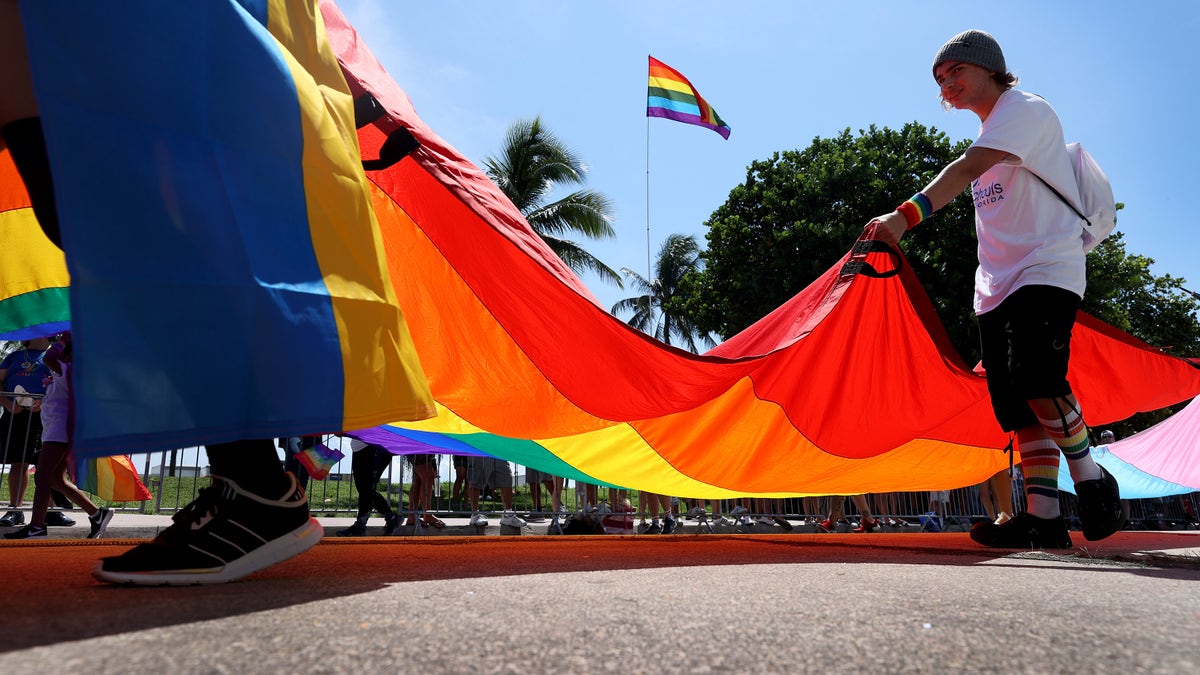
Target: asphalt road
694	604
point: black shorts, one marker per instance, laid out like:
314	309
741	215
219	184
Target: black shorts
20	437
1026	344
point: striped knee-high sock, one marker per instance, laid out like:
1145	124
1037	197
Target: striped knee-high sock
1039	464
1071	435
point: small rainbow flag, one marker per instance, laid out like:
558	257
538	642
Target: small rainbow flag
319	459
113	478
672	96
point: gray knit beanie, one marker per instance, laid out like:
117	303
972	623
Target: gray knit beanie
972	46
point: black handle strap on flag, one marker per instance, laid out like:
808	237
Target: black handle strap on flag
399	144
858	259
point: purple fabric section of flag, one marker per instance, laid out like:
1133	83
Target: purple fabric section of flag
686	119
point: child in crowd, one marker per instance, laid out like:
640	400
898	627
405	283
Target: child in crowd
56	450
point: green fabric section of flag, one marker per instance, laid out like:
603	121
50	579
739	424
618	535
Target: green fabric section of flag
35	314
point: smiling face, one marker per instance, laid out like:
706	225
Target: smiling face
966	86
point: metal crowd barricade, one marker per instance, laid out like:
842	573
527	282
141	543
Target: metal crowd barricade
175	476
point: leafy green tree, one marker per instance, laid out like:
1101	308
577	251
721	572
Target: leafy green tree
799	212
652	309
1122	291
531	164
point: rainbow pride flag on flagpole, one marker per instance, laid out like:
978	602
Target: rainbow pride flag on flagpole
672	96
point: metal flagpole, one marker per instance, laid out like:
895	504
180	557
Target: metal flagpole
649	275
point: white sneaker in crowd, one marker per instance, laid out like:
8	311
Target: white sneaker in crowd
479	520
511	519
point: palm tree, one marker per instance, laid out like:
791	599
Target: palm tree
531	164
679	255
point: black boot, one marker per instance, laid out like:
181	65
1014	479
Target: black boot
358	529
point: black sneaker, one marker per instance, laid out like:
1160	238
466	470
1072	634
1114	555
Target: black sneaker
669	525
56	518
782	522
654	528
358	529
99	521
390	523
224	535
1099	506
30	531
1024	531
12	519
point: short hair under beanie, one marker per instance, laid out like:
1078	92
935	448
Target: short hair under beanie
972	46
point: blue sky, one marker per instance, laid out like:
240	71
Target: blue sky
781	72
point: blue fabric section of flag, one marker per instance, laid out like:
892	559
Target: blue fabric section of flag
199	310
40	330
668	104
1134	483
85	475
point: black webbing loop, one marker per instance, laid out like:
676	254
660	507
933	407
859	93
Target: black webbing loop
366	110
858	264
399	144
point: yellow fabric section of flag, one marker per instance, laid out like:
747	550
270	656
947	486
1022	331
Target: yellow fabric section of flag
674	85
30	262
374	337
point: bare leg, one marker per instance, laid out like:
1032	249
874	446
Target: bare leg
52	475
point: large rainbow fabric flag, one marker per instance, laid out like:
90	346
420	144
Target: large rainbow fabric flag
227	273
673	97
849	387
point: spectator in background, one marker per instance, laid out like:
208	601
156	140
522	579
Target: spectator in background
420	491
837	513
656	504
483	472
997	498
554	485
367	463
21	372
292	446
458	492
56	450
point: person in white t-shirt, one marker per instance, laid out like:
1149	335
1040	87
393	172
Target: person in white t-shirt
1028	287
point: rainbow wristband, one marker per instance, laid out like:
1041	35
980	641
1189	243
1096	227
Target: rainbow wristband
916	209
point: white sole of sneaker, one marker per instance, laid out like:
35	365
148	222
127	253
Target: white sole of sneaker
288	546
